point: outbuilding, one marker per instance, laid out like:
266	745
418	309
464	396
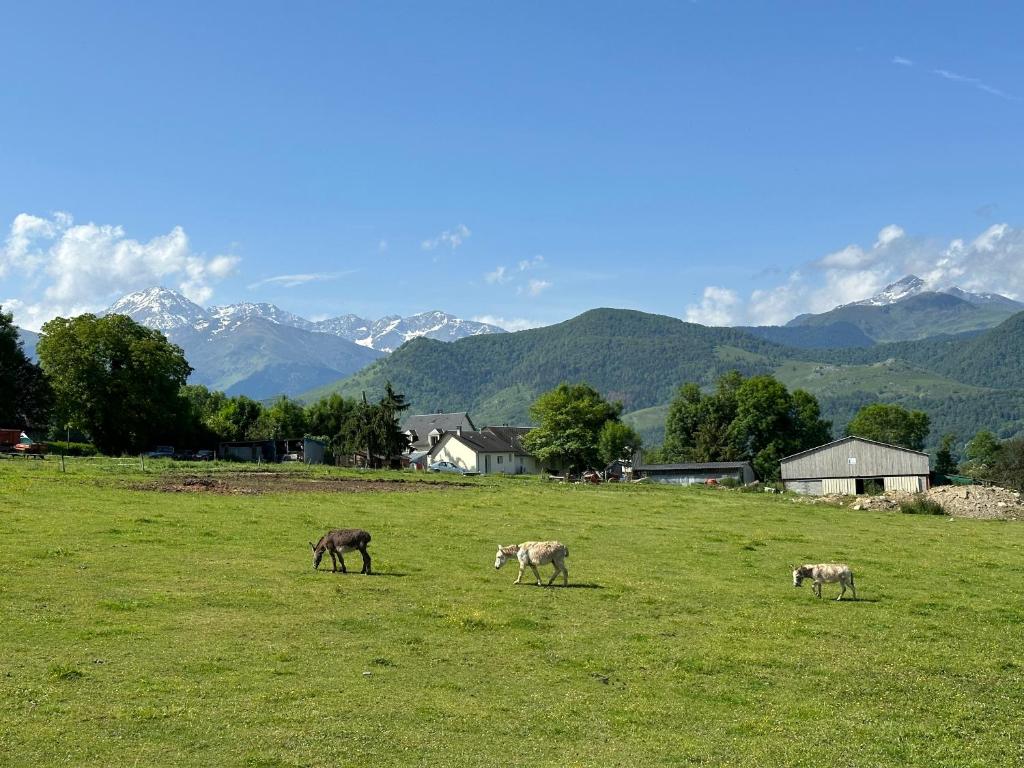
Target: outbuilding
695	473
854	465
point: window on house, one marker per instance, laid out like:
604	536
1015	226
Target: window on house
499	459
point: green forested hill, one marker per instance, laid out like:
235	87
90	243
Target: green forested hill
963	382
630	356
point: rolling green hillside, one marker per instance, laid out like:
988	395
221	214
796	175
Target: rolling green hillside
630	356
964	383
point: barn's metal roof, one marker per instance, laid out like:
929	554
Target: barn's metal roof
847	440
691	466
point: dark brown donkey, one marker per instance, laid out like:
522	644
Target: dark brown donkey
339	541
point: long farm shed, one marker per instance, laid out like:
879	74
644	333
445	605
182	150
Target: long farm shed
851	465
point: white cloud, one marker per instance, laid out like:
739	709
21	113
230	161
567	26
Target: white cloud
291	281
498	276
527	264
70	268
888	235
452	238
955	77
719	306
509	323
993	261
536	287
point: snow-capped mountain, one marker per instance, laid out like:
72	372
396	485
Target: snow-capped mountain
901	289
391	332
912	285
160	308
911	309
262	350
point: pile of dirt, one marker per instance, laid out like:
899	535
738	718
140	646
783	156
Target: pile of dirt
252	483
979	501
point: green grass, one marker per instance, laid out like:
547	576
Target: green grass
885	379
150	628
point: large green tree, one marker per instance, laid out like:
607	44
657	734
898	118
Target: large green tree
892	424
118	381
982	452
237	418
755	419
617	441
25	394
945	461
569	418
284	418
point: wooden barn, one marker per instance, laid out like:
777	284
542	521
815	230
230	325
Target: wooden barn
855	465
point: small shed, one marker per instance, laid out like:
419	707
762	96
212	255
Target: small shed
695	473
852	465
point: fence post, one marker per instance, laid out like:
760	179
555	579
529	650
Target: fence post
142	459
62	463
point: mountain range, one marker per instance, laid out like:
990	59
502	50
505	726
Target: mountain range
964	382
261	350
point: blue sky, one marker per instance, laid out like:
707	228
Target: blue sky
725	162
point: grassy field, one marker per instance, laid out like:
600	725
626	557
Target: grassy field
148	627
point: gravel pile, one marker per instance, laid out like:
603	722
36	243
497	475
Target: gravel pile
982	502
977	501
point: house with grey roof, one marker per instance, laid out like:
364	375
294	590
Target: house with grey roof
424	430
490	451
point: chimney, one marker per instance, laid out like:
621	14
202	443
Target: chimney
458	430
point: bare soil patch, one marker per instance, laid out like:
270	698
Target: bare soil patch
252	483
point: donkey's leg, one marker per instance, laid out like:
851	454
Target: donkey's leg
842	591
555	574
853	587
366	561
334	561
817	589
341	557
536	573
519	579
565	575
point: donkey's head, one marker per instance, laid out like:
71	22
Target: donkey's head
504	553
318	555
799	574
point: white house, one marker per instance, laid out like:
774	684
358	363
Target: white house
491	451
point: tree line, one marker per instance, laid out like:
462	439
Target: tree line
122	387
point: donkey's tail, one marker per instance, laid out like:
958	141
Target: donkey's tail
565	549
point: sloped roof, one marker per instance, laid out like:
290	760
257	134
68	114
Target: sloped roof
847	440
513	436
695	466
489	440
422	424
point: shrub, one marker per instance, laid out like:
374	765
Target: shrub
729	482
70	449
919	504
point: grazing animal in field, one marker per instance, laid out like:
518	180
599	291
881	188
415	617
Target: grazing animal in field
339	541
534	553
825	573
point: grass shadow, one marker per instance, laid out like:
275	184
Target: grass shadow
581	585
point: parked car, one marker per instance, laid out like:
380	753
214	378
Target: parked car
446	466
161	452
205	455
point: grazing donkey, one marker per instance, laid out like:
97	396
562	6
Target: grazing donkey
337	542
534	553
825	572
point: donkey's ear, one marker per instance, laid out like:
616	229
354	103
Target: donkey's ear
312	546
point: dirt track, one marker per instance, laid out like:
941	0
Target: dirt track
273	482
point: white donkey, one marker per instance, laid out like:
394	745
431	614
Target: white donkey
534	553
825	572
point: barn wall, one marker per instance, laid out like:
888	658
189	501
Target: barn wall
846	486
458	453
910	484
855	458
807	487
